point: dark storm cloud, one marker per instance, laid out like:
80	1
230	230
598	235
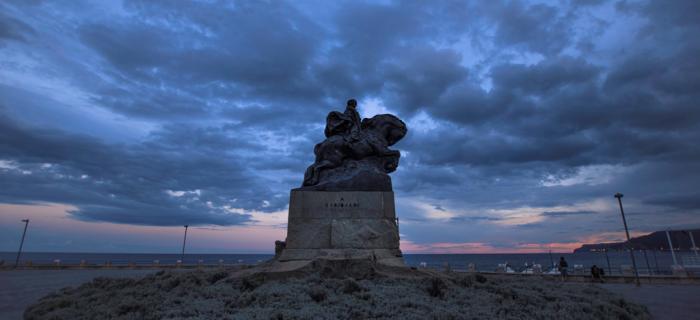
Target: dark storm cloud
13	29
539	28
677	15
555	116
544	77
527	105
422	75
204	53
474	218
181	176
534	225
565	213
557	111
391	41
587	2
679	201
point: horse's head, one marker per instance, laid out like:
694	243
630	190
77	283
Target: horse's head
386	125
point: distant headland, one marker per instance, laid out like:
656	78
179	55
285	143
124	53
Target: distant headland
654	241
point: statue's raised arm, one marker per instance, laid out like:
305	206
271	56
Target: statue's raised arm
355	155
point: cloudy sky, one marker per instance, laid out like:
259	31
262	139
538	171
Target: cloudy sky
122	121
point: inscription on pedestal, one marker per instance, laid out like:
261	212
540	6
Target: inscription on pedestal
342	204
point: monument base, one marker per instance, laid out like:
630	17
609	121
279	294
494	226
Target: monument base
342	225
389	257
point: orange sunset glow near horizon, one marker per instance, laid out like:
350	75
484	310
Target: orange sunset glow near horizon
52	229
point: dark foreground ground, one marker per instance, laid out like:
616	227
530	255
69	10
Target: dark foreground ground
214	294
461	297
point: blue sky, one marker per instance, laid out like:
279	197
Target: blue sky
121	121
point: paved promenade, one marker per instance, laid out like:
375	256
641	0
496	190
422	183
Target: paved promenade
21	288
677	302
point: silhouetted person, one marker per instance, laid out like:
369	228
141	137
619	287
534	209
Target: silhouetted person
595	274
563	266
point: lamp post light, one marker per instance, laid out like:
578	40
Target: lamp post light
627	233
21	243
184	240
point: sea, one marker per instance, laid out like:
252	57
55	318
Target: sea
648	262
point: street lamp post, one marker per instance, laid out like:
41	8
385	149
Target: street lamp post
692	241
184	240
656	262
608	260
670	245
21	243
627	233
646	258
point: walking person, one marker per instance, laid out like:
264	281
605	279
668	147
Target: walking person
563	268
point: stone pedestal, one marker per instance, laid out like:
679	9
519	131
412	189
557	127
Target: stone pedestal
342	225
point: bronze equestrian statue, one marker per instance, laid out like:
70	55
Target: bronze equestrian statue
355	155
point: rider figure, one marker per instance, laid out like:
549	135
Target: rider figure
351	112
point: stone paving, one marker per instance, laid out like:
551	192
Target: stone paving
678	302
21	288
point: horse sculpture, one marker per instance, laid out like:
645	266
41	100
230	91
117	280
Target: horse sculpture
349	154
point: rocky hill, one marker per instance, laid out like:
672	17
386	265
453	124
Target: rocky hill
653	241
